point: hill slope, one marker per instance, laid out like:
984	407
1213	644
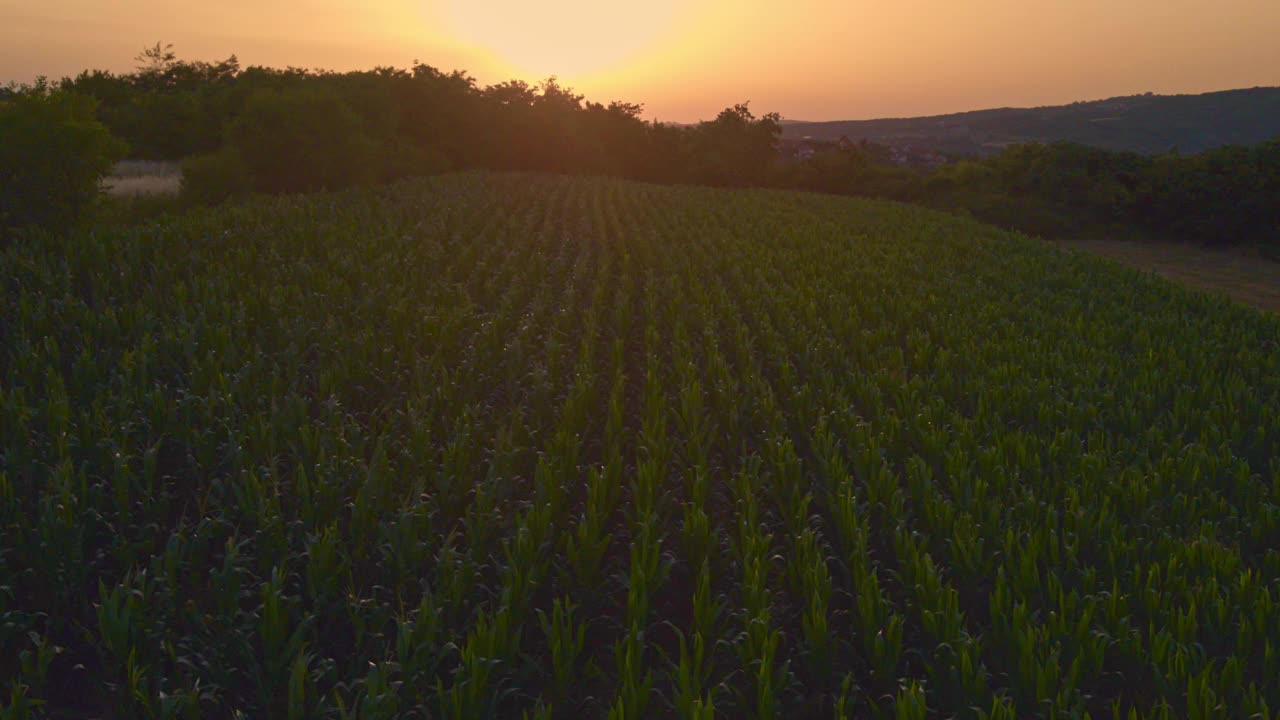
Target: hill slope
1138	123
482	444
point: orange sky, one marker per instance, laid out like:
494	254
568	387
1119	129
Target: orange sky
687	59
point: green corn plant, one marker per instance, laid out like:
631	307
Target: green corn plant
814	626
282	638
117	612
586	546
695	429
645	575
540	712
418	643
136	687
300	690
703	710
1002	708
36	661
379	699
691	675
886	646
844	703
759	640
227	579
693	696
20	705
325	566
565	638
707	609
696	532
770	673
455	578
1201	700
971	672
1117	712
1254	705
471	694
634	682
910	703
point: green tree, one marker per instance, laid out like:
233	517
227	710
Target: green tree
736	148
52	159
302	139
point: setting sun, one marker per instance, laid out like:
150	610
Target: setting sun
569	38
686	60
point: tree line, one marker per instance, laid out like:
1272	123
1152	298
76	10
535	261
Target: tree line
1225	196
296	130
256	129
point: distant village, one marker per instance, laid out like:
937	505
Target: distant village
906	155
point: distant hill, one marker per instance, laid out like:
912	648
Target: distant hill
1140	123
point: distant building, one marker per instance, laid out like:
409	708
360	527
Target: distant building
803	149
917	157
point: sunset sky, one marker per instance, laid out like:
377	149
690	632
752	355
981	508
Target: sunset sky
685	60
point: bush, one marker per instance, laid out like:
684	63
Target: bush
215	178
53	157
303	139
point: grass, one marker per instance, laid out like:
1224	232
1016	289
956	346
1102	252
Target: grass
144	177
523	446
1243	275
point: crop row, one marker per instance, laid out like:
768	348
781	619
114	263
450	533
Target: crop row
498	445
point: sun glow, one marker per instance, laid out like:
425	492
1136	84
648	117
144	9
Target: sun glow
568	38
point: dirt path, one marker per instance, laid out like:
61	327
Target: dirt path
1243	275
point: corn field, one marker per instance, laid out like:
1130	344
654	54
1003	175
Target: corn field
534	447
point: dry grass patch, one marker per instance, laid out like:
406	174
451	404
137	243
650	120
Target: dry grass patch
144	177
1244	275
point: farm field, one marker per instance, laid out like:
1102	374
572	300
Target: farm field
517	445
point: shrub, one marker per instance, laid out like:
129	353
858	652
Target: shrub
215	178
52	159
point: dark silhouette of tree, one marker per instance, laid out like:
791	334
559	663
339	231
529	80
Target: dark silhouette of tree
736	148
297	129
155	59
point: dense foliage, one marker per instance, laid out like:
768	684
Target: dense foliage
485	445
296	129
1226	196
53	155
259	129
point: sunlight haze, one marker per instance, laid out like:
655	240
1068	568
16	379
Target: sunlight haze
809	59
